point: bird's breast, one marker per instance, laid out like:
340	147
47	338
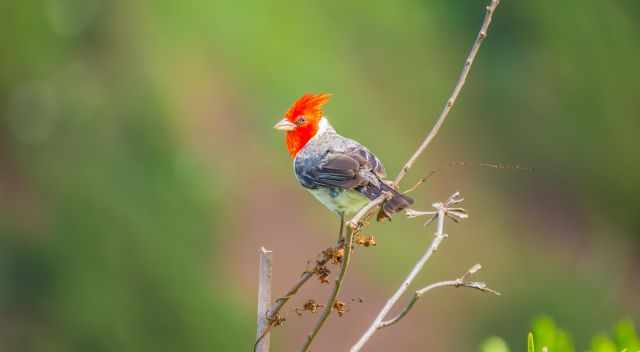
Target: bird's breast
340	200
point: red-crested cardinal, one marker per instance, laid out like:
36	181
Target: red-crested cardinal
340	172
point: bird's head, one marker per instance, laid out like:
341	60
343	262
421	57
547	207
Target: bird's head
301	122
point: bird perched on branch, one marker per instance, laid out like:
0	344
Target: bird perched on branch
340	172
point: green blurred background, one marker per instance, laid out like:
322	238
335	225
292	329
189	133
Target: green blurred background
139	173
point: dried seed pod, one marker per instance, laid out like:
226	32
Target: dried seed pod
312	306
323	273
340	307
277	320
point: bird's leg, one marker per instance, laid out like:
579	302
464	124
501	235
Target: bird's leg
341	231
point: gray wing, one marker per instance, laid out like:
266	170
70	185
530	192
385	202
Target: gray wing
353	168
373	161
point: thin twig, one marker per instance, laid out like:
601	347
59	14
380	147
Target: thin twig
336	290
454	95
420	182
459	282
454	213
279	303
439	236
264	298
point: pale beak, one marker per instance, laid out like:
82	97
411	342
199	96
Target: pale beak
285	125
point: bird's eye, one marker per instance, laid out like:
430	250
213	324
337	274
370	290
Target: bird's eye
300	120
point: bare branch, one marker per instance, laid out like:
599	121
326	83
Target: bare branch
439	236
404	312
279	303
450	209
459	282
336	289
420	182
454	94
264	299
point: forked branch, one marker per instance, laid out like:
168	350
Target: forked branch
441	213
459	282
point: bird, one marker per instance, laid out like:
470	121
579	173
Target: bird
339	172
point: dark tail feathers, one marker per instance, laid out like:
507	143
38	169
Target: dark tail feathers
396	203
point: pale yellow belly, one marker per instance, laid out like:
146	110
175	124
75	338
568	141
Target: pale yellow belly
346	201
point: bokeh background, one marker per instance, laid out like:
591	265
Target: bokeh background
139	173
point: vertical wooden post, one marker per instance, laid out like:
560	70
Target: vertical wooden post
264	298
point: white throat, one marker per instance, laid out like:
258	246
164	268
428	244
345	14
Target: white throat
323	127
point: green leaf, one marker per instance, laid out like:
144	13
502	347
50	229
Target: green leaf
602	343
563	342
548	336
544	331
530	346
625	335
494	344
